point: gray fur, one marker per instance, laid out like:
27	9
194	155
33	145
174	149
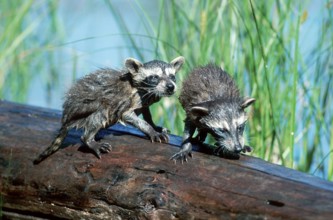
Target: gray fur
213	104
108	96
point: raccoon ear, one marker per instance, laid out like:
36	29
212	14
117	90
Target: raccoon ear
247	102
199	111
177	63
133	65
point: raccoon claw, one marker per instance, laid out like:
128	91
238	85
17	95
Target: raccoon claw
183	154
159	137
165	135
100	148
105	147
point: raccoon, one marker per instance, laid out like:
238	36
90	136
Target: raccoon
108	96
213	105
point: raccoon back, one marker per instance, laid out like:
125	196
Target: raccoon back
103	88
207	83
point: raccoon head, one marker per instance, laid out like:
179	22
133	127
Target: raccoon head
155	78
225	120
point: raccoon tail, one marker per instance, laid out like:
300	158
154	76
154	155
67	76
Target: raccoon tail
53	147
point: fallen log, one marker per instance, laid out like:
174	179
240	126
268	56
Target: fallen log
138	181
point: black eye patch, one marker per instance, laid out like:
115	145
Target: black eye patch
240	128
219	132
151	81
172	78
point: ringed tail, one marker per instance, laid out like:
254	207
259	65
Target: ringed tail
53	147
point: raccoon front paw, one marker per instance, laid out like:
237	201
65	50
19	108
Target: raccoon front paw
183	154
99	148
161	129
159	137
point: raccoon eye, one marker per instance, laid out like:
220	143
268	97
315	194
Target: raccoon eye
154	79
223	130
240	128
173	78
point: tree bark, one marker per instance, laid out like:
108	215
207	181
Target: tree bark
138	181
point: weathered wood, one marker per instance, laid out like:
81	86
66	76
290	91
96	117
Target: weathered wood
137	180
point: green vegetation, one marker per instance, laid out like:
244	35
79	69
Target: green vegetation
25	48
268	46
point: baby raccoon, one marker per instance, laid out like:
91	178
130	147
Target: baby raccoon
213	105
108	96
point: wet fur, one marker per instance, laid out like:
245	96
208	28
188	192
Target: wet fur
212	102
108	96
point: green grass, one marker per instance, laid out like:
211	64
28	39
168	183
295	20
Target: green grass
258	42
25	47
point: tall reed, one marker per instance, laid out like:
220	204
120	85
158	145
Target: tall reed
25	46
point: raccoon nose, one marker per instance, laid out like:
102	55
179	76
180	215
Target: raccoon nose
170	87
238	149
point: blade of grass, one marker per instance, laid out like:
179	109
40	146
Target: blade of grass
124	28
294	93
271	108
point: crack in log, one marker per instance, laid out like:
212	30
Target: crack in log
158	171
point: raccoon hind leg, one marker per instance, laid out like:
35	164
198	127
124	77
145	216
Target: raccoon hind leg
94	123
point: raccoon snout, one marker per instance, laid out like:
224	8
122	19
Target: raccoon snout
238	149
170	87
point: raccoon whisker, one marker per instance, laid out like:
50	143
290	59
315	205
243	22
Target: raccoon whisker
149	84
219	148
148	89
157	93
148	95
145	87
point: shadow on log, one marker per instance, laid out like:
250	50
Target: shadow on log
137	180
